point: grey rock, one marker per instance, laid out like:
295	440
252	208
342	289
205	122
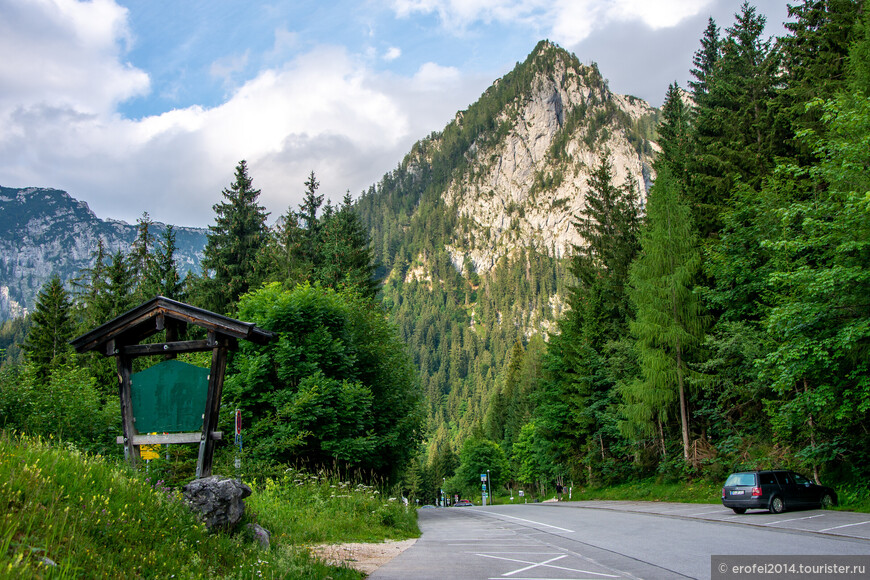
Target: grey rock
260	534
218	500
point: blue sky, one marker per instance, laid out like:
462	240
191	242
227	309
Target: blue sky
148	105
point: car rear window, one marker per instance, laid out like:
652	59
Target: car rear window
736	479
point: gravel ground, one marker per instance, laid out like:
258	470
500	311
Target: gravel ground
363	557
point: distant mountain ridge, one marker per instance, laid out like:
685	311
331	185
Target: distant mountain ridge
43	231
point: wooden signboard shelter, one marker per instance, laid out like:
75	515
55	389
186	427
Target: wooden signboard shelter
167	396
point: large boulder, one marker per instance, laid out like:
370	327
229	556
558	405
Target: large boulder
219	500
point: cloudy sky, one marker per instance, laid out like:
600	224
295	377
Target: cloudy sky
148	105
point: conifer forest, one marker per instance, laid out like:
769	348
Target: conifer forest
719	322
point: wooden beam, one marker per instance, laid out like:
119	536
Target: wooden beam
169	438
134	350
125	370
212	409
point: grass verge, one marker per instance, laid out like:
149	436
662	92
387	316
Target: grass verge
66	514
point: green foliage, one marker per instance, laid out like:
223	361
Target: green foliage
477	457
332	249
66	405
337	385
822	279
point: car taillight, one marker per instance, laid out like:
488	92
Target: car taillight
756	491
723	493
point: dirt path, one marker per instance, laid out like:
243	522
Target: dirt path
363	557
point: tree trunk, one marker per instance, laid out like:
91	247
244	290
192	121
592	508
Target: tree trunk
684	412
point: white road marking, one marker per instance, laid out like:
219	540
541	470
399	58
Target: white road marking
537	523
719	511
792	520
845	526
545	564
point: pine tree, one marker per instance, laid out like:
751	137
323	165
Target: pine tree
345	254
52	328
735	125
163	278
118	292
815	57
705	60
309	221
669	321
675	134
231	265
141	257
609	227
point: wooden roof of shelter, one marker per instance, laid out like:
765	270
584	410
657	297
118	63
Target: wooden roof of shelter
158	313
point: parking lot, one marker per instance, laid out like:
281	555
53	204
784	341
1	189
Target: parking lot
839	523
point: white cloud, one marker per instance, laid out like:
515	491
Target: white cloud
392	54
63	54
568	21
225	68
326	111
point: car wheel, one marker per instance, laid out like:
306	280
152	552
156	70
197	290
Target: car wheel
827	501
739	511
776	505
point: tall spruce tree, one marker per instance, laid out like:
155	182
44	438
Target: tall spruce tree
735	136
163	278
669	322
815	56
232	261
345	254
675	134
52	328
308	219
141	258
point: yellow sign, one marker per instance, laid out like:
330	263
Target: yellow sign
149	452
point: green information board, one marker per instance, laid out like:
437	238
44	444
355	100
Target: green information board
169	397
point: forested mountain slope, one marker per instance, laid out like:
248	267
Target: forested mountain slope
472	229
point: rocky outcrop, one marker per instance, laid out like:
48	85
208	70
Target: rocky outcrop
527	188
45	231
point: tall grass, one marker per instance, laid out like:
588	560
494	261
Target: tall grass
305	508
67	514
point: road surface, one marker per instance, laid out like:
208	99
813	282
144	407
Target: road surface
610	540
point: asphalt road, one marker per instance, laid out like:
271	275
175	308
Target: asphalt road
604	540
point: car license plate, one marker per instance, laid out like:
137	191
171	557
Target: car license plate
737	492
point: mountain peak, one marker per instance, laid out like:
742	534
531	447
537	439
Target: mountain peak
524	151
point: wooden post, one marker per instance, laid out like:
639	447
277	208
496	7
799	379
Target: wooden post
212	406
125	370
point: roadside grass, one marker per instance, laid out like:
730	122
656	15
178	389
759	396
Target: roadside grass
66	514
302	509
652	490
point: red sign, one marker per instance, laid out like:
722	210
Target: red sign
238	421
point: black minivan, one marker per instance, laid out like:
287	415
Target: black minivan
775	490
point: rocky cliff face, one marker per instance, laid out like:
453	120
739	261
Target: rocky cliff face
43	231
526	188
